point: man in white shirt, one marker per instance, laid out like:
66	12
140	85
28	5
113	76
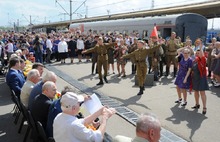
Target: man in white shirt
68	128
62	49
80	47
49	49
10	48
127	40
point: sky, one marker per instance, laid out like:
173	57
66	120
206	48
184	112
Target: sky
43	11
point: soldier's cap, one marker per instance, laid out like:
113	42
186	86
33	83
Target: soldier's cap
173	33
70	99
141	41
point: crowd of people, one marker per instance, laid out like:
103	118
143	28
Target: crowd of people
151	55
42	47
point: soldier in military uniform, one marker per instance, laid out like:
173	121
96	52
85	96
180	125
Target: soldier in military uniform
94	55
156	57
131	49
140	60
162	56
102	60
171	53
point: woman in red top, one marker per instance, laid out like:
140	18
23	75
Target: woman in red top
199	79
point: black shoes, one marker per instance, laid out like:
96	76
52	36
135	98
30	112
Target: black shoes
196	107
124	76
184	103
141	91
204	111
100	82
179	100
105	79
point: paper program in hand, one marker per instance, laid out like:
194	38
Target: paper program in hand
93	104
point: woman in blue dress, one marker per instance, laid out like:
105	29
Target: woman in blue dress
183	76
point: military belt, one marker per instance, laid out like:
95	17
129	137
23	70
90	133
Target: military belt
140	61
102	54
171	51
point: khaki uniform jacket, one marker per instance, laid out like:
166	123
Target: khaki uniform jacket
140	54
101	51
131	49
158	52
172	47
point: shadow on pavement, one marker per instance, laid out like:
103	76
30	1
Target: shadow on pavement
215	91
90	76
8	130
5	96
131	101
193	118
165	81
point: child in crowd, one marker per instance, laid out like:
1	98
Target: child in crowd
31	57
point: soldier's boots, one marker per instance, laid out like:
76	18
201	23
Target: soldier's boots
105	79
100	82
93	68
175	71
143	88
167	71
133	69
141	91
161	71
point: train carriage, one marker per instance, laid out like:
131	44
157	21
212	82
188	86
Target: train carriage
193	25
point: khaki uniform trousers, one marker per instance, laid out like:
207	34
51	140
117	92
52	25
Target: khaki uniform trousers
141	73
102	62
171	58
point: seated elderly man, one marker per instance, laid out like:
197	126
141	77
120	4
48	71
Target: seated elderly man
50	76
33	77
67	127
55	109
147	130
42	102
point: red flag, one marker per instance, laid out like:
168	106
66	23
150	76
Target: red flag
154	33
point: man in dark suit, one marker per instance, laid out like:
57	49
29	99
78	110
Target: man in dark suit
23	54
13	78
42	102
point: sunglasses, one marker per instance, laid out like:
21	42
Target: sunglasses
81	103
